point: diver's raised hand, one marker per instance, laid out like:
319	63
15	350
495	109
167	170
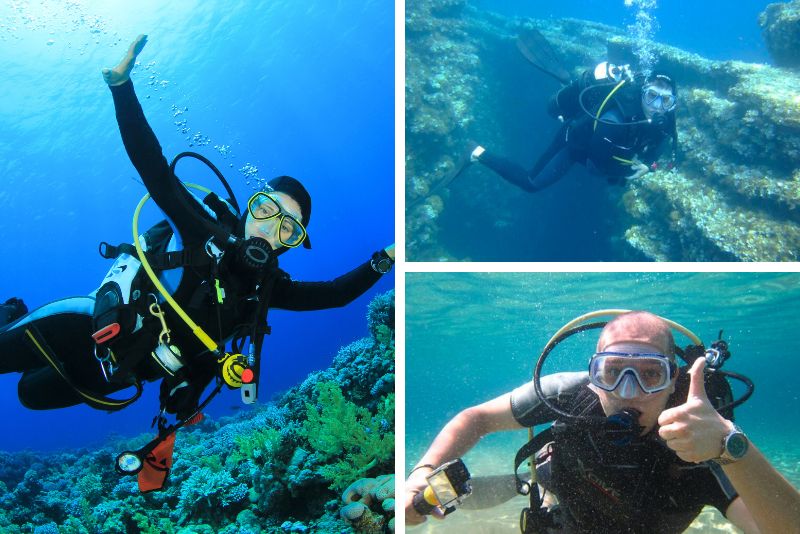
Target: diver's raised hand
122	72
694	430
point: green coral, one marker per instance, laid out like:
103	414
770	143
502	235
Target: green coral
260	445
352	433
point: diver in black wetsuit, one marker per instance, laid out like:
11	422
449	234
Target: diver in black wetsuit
678	454
616	124
82	349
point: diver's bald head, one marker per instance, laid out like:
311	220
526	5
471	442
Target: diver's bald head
638	327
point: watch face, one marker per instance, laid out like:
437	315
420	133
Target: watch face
385	265
736	445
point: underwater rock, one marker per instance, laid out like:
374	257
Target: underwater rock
369	504
780	24
736	191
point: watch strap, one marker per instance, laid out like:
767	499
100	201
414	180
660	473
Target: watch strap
726	457
381	262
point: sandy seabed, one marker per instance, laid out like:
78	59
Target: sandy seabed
504	519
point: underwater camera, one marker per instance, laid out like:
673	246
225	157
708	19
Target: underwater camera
448	486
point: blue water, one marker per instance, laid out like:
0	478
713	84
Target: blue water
471	337
716	29
299	88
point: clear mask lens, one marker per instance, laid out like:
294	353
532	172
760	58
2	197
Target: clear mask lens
659	100
610	371
264	207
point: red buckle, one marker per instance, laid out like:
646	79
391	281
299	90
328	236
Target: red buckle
104	334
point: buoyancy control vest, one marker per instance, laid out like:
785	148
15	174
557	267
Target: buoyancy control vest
598	482
125	319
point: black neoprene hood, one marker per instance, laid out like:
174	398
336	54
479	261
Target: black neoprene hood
293	188
664	77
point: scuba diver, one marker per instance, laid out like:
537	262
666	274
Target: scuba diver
166	311
615	122
637	444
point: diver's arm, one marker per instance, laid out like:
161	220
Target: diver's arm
768	500
145	151
639	169
307	296
696	432
456	438
738	514
652	153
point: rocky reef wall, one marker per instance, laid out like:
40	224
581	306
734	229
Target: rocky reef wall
733	195
780	24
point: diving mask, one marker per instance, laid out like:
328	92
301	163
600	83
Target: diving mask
621	371
267	210
659	100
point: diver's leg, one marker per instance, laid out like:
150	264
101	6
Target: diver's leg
17	355
547	171
558	143
65	327
507	169
549	168
44	389
121	73
552	171
59	335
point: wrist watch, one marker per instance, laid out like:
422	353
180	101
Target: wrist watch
381	262
734	446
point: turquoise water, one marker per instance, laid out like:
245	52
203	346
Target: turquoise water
471	337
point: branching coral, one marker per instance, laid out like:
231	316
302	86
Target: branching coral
338	428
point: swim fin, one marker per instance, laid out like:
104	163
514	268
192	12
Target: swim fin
537	50
464	161
620	53
12	310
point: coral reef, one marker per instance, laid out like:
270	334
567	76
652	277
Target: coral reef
369	504
780	23
733	196
281	467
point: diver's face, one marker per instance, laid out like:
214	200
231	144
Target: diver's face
650	405
270	229
658	98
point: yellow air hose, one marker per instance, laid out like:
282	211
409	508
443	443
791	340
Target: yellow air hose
204	338
603	105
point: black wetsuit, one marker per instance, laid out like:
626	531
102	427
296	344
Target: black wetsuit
66	325
579	140
639	488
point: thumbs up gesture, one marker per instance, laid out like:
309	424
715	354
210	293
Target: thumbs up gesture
694	430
